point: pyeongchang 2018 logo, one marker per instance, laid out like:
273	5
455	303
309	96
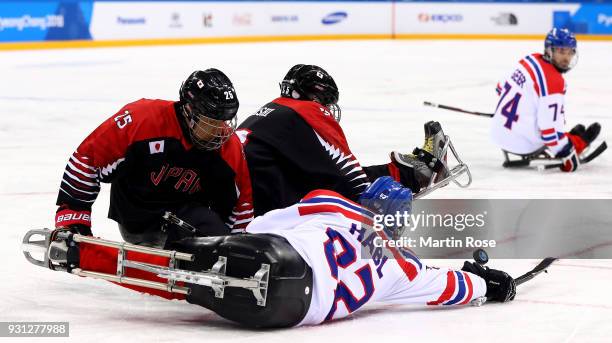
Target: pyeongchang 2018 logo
440	18
28	22
334	18
604	19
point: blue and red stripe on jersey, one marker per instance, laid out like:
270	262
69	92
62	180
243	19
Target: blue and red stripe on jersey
324	201
539	73
546	78
549	136
459	289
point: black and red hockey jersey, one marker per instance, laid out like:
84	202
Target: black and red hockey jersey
145	153
294	147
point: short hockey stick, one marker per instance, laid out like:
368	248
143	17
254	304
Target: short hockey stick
601	148
456	109
541	267
482	257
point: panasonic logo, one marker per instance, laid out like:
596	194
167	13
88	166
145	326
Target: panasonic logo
131	21
334	18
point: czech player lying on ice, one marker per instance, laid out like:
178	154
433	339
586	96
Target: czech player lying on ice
323	261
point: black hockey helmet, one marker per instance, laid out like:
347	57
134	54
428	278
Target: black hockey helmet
209	104
311	82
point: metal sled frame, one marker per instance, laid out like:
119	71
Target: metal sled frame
214	277
524	160
453	173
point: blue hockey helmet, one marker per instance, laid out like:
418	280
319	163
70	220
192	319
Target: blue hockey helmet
561	38
387	196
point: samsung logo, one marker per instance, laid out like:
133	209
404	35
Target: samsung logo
334	18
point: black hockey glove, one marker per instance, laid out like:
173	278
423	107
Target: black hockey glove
500	286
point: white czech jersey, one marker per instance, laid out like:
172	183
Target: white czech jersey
334	236
530	110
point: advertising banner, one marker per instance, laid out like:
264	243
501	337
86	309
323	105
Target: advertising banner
588	19
34	21
131	20
478	18
40	21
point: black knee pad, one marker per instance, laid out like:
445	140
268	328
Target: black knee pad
289	285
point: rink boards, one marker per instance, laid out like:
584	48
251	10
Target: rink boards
87	23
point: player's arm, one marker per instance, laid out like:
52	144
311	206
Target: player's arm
443	286
242	212
97	159
416	282
551	123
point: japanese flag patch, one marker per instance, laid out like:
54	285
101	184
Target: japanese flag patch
156	147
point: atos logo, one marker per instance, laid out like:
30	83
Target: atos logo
334	18
440	18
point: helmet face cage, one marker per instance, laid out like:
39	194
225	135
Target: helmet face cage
560	38
335	111
207	133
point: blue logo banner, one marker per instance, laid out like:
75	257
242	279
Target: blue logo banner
589	18
39	21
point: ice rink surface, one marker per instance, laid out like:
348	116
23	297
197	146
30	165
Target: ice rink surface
50	100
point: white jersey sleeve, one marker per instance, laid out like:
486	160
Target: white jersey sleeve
350	266
530	110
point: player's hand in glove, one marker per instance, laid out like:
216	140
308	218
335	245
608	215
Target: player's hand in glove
75	221
581	137
500	286
569	158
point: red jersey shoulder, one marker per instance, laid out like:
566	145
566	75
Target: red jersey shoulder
310	108
547	80
149	118
321	121
555	83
